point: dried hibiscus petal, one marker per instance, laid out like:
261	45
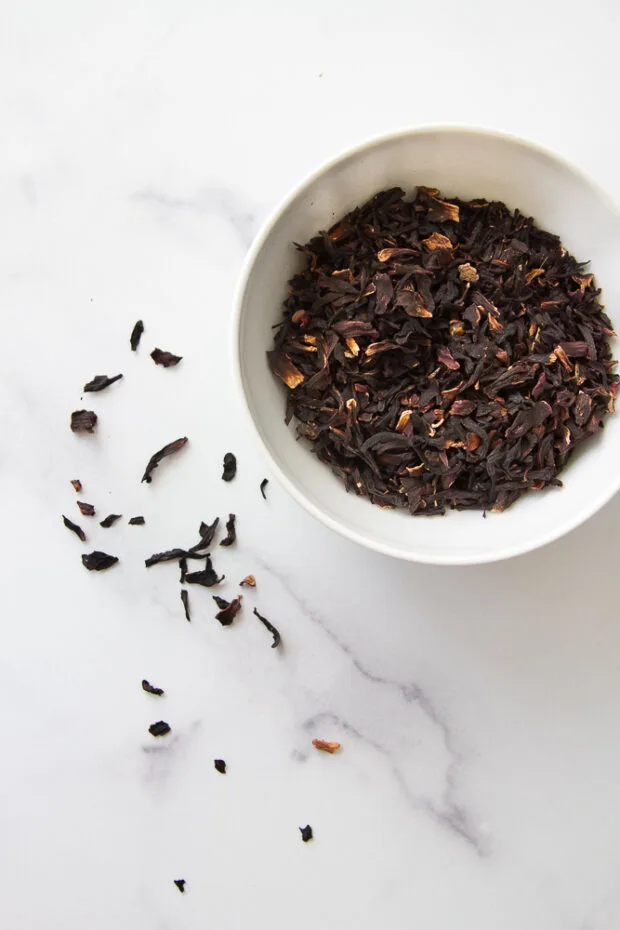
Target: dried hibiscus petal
263	486
136	335
74	528
83	421
100	382
151	689
97	561
230	467
207	577
87	510
77	484
161	728
156	458
220	766
228	609
231	532
110	520
306	833
249	580
185	601
325	746
166	359
266	623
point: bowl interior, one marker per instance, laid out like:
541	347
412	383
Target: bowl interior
461	163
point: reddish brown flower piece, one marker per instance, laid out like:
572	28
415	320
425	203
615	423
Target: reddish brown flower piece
325	746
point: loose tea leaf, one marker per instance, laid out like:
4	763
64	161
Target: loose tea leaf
207	577
160	728
83	421
147	686
110	520
230	467
87	510
249	580
228	609
97	561
306	833
325	746
443	354
136	521
185	599
183	567
136	335
231	533
162	454
165	358
220	765
100	382
276	636
74	528
77	484
180	883
263	485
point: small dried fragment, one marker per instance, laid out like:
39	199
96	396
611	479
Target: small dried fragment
156	458
185	600
206	533
77	484
468	273
306	833
83	421
230	467
136	521
263	485
283	368
136	335
231	532
437	241
277	639
110	520
100	382
220	765
183	567
171	555
249	580
161	728
228	609
180	883
87	510
74	528
151	689
166	359
97	561
207	577
325	746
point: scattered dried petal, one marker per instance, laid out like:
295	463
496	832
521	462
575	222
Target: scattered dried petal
180	883
306	833
151	689
284	369
228	609
87	510
77	484
185	600
437	241
97	561
110	520
83	421
136	521
161	728
231	532
230	467
207	577
136	335
165	359
220	766
100	382
74	528
156	458
249	580
276	636
325	746
263	486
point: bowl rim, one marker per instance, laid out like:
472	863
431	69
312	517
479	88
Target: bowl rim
368	541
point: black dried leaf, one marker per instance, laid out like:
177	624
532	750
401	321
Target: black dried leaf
180	883
87	510
220	765
207	577
185	600
161	728
167	359
206	533
100	382
136	335
231	532
277	639
230	467
77	484
83	421
110	520
136	521
97	561
183	567
74	528
263	486
156	458
306	833
228	609
151	689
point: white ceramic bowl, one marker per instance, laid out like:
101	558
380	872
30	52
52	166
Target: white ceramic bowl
460	162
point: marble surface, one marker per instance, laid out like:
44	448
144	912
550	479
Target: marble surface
479	780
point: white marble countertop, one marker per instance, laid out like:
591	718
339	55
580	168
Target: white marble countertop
478	785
